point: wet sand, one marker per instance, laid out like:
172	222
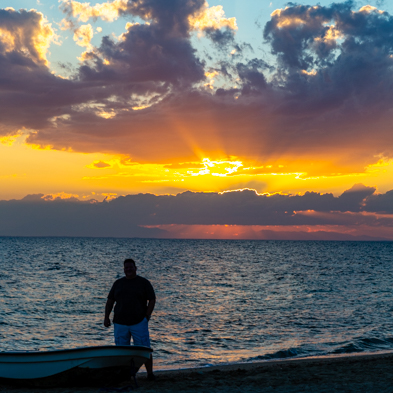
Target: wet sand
349	373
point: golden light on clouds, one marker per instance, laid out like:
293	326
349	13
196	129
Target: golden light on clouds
106	115
331	34
212	18
210	75
9	140
217	168
286	21
109	195
221	175
83	36
140	107
108	11
33	40
310	73
59	195
207	18
369	8
28	169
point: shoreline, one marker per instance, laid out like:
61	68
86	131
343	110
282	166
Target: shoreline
356	372
356	356
338	373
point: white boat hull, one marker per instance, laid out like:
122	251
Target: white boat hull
37	364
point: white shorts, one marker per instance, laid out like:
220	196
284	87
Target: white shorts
138	332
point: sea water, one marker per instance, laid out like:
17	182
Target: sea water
218	301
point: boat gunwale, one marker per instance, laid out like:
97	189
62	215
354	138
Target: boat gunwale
93	352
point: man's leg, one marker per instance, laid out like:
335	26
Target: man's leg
149	366
122	334
140	336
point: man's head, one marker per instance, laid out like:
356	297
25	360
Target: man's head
129	268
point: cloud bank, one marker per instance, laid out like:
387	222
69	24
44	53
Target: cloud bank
148	215
326	90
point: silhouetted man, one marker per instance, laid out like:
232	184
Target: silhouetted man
135	300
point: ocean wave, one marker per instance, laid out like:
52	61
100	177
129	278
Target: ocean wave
368	344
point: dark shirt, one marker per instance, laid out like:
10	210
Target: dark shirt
131	296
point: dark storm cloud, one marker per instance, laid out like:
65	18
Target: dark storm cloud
350	70
149	60
221	37
26	87
352	199
145	54
30	217
292	31
30	95
158	52
126	216
329	93
380	203
252	76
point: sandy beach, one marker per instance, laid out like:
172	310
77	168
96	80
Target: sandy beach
346	373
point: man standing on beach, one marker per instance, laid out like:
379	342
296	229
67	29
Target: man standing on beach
135	300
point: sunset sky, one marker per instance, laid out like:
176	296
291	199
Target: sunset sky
265	119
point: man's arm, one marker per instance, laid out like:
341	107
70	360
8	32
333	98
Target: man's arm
150	308
108	309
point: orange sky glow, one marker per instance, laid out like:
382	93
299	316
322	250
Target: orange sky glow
123	98
27	170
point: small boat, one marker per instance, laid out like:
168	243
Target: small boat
32	365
